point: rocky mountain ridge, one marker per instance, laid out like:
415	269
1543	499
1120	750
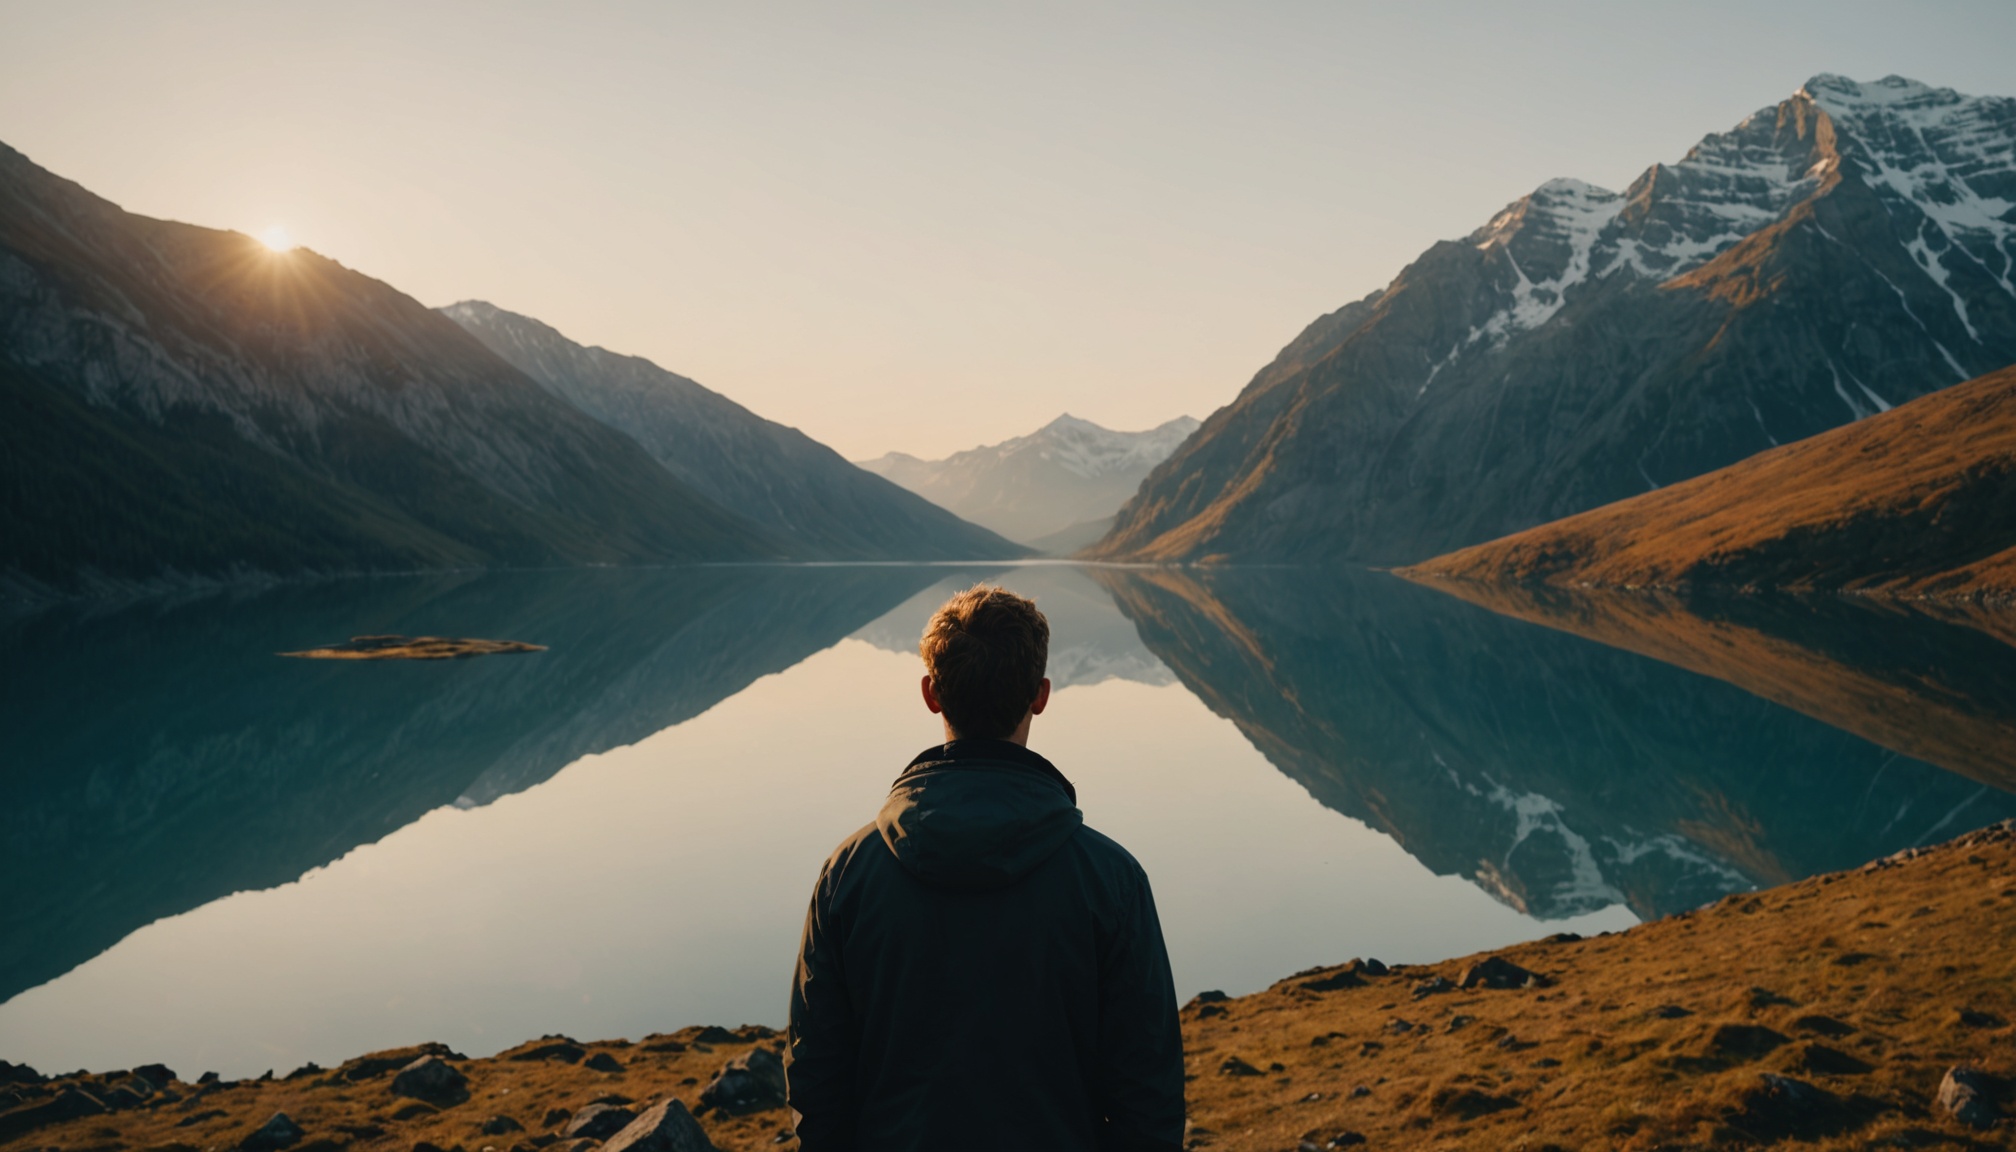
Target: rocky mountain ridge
181	401
1834	255
777	477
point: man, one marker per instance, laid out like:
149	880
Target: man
979	970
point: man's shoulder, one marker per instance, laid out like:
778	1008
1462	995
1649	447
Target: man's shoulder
1107	853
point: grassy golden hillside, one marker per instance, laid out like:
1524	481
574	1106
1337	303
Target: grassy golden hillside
1917	501
1820	1015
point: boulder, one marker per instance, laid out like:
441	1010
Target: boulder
556	1117
501	1126
378	1063
667	1127
19	1074
1234	1066
278	1132
159	1075
602	1062
433	1080
1963	1094
750	1082
597	1122
68	1104
556	1048
1498	972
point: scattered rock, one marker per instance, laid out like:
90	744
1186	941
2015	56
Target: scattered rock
1825	1061
1207	1011
560	1048
1963	1093
414	1111
1671	1012
1969	1018
1498	972
1360	1090
68	1104
556	1117
715	1034
602	1062
750	1082
158	1075
597	1122
1468	1103
432	1079
1399	1027
1765	998
1340	979
1459	1022
1562	938
1368	967
19	1074
1432	986
1213	996
195	1118
278	1132
501	1126
376	1064
668	1127
1234	1066
1823	1025
613	1098
659	1042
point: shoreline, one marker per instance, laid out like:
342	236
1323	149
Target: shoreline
1832	1012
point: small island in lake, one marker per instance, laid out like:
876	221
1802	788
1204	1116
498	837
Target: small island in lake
414	648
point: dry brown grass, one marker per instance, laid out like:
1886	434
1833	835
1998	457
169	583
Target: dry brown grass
1820	1015
1917	501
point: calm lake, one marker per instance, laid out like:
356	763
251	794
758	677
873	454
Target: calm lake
222	859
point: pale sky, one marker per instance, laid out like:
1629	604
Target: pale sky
915	226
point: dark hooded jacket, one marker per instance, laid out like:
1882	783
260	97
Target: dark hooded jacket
979	970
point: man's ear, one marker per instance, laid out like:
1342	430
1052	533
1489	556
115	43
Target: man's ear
931	695
1042	700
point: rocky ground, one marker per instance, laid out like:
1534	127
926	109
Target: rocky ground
1864	1010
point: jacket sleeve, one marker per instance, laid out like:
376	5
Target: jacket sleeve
820	1053
1140	1075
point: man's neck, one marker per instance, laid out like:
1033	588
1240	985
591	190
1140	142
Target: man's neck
1018	737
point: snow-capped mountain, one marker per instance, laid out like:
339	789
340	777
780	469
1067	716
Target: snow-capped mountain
1829	257
1053	488
805	493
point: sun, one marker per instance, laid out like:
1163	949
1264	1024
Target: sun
275	237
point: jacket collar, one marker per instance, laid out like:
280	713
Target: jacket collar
992	752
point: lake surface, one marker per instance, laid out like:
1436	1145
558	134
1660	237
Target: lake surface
221	859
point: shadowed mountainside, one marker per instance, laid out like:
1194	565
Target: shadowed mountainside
1919	501
1844	251
1558	774
777	477
181	402
161	756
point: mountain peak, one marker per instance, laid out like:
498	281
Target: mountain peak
1828	88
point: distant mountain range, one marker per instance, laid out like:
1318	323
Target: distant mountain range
1055	488
1919	501
1840	253
777	477
181	403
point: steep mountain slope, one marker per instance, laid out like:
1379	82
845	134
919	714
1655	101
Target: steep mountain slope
180	400
1844	251
778	477
1920	500
1062	475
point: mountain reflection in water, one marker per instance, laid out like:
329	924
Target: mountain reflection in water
160	756
1560	774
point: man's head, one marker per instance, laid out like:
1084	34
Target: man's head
984	653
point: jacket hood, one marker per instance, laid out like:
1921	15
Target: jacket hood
976	814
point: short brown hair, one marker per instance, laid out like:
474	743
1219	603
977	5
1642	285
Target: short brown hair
986	649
